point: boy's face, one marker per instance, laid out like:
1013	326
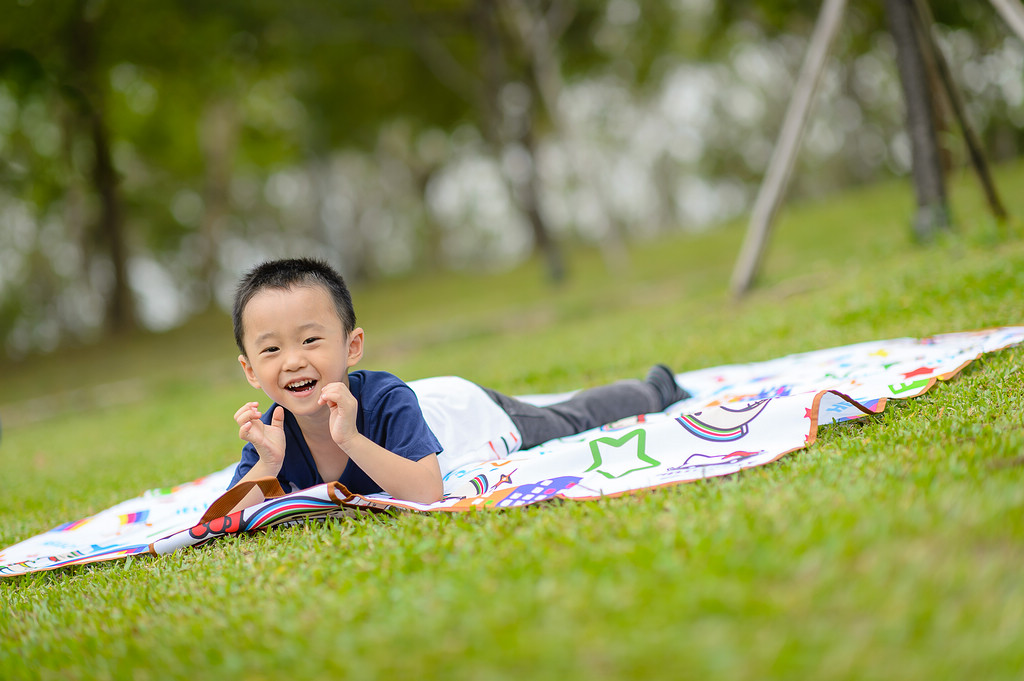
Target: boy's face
295	344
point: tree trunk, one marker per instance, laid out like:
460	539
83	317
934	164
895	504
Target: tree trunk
503	132
489	19
926	166
218	136
431	234
529	199
86	83
952	105
783	158
120	310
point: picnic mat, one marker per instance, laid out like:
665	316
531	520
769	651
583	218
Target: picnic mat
739	416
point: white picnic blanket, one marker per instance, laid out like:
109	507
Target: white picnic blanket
739	416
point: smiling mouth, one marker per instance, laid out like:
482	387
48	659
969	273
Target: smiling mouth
301	386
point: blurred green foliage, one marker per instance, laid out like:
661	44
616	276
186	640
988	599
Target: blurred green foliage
399	134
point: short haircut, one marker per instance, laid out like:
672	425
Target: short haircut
286	274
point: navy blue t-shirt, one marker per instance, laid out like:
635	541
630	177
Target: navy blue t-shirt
389	414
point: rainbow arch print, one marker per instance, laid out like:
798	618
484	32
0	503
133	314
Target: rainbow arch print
134	517
72	526
722	424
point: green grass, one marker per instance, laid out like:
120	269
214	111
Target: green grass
891	548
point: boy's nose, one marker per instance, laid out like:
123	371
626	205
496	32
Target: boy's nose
294	359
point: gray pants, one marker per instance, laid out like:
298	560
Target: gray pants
585	410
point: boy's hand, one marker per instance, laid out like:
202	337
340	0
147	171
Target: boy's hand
268	440
343	408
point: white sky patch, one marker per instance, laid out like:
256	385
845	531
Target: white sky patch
160	305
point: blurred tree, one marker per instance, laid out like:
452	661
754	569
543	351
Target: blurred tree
780	16
866	27
929	179
492	63
187	139
62	41
81	75
159	86
498	65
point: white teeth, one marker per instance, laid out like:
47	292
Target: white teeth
299	385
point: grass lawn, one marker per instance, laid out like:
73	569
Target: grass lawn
891	548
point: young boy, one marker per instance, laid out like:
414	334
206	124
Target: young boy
295	328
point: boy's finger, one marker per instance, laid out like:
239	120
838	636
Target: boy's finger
277	420
247	411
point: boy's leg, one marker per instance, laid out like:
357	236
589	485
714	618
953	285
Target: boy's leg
592	407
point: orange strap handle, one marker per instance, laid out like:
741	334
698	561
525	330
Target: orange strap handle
224	503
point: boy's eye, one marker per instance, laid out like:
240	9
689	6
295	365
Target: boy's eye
311	340
268	349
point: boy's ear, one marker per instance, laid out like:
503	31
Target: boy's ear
250	375
355	346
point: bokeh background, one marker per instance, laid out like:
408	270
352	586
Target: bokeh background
151	151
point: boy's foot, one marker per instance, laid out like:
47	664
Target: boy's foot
664	381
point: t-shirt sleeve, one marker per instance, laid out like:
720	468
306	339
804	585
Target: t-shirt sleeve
249	458
395	422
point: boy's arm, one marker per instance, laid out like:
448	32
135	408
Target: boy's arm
402	478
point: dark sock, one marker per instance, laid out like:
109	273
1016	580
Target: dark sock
664	381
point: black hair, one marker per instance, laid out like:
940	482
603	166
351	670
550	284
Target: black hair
285	274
